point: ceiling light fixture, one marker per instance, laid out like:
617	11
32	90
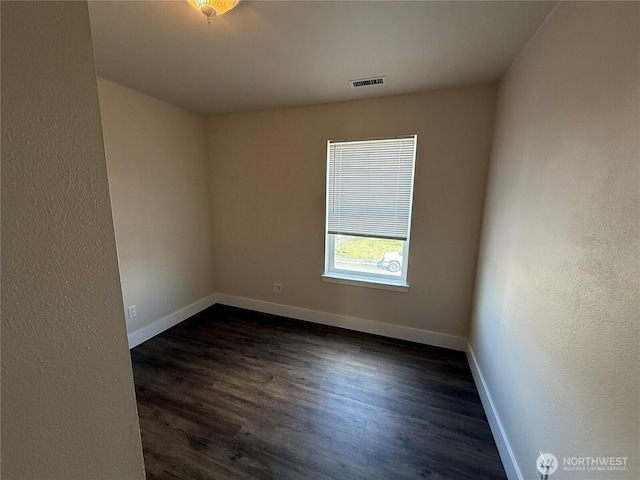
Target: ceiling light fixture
211	8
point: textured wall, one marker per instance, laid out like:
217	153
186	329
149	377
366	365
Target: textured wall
158	168
269	171
555	326
68	405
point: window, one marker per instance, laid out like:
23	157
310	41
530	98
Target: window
369	197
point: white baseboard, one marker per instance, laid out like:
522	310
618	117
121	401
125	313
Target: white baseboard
499	435
145	333
426	337
351	323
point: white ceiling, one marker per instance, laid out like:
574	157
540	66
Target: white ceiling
269	54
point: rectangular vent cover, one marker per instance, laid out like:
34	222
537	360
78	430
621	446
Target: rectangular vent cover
365	82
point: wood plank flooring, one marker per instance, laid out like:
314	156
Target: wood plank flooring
233	395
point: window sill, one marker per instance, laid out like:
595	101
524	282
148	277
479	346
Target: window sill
368	282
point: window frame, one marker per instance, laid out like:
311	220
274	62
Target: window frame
353	277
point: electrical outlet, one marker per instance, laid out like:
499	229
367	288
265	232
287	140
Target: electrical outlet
132	311
277	287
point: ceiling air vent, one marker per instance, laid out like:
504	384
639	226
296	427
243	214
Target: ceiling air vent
366	82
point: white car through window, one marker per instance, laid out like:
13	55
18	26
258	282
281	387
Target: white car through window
391	261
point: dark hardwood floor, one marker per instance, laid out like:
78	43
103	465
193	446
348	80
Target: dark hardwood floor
234	394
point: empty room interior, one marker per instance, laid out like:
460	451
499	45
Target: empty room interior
332	240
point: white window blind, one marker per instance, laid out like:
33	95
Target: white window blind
370	187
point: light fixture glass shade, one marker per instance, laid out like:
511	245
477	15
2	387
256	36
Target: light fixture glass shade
213	7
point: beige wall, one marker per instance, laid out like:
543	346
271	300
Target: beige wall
68	404
268	186
160	193
555	326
